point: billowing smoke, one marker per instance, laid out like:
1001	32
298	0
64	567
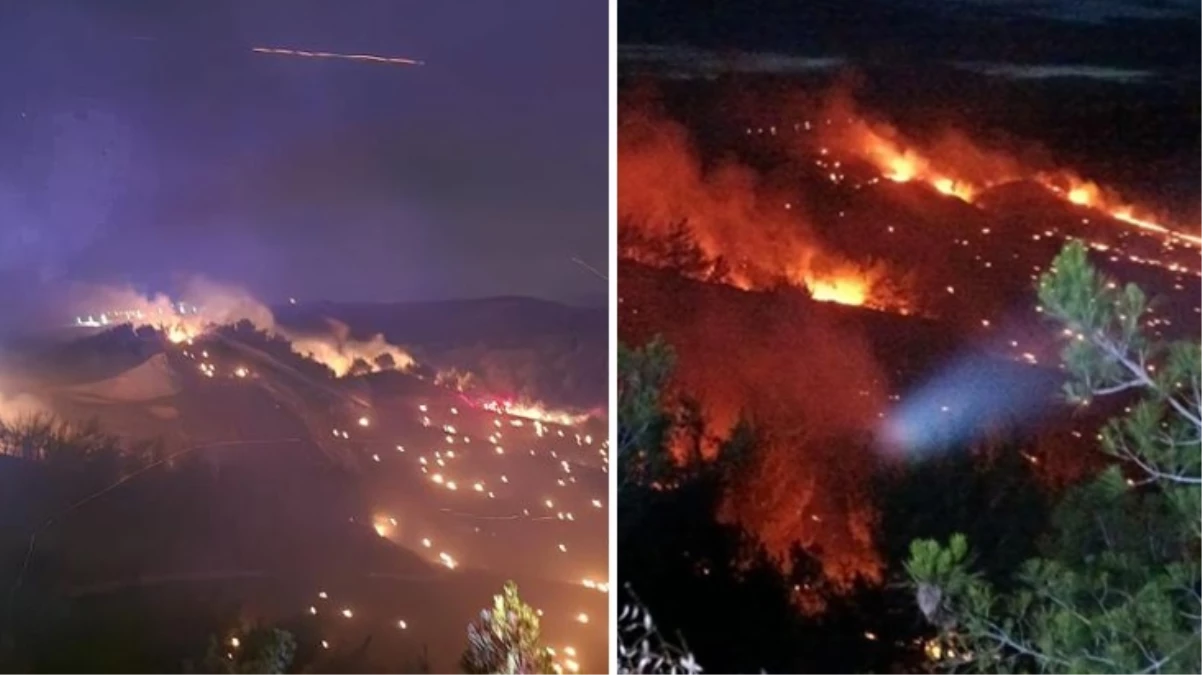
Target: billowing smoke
222	304
951	162
965	400
811	387
341	353
956	165
749	236
17	407
812	390
808	382
207	304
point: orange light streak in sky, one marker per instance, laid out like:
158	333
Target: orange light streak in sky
395	60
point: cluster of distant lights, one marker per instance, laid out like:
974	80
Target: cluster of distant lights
387	526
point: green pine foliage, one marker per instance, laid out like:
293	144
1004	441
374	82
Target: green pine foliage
642	424
644	427
505	639
1116	586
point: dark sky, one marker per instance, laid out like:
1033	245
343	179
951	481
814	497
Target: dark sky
1159	35
143	140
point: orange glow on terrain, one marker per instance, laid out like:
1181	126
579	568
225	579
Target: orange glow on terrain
738	253
674	213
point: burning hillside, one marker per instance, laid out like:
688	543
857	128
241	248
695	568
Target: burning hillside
954	165
212	305
389	493
827	199
945	237
669	203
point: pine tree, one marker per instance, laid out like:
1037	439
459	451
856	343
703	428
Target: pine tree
505	639
644	427
1116	586
643	424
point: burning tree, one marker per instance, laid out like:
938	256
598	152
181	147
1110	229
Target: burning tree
1116	588
505	639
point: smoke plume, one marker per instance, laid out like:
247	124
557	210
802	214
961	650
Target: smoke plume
760	237
206	304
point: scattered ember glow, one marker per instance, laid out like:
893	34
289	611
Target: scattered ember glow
559	459
534	411
957	167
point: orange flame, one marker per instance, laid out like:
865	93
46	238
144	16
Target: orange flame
536	412
721	226
845	290
955	166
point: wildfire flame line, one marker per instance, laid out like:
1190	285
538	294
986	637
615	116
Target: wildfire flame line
534	411
952	173
220	305
677	212
372	58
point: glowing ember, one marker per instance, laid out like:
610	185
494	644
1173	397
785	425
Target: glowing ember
383	525
534	411
177	334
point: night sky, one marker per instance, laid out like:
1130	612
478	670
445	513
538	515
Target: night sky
144	140
1160	36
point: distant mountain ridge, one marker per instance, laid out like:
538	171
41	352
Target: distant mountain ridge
520	346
